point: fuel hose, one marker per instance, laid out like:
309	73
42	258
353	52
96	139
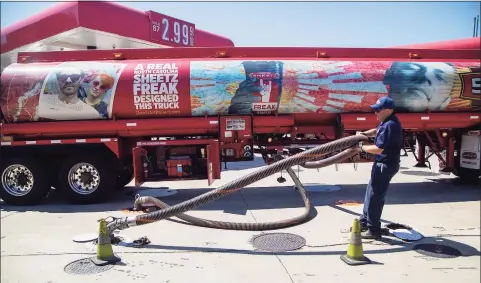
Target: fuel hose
285	164
202	222
238	225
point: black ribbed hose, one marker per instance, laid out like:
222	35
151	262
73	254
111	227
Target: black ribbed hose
239	225
233	186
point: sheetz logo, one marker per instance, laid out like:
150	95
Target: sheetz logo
471	84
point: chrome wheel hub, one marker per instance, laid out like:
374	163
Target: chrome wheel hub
84	178
17	180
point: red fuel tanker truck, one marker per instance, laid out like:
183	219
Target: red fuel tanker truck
88	122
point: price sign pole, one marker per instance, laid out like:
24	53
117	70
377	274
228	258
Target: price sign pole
171	31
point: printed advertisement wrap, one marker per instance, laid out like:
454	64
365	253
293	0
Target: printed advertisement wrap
66	91
235	87
181	88
159	88
295	86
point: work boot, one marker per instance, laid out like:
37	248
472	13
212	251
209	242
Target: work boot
369	235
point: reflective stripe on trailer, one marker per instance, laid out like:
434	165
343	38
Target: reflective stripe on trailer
62	141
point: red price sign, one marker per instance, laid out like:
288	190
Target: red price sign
171	31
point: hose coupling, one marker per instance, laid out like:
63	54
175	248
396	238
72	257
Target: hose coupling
120	224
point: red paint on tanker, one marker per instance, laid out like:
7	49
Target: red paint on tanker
181	88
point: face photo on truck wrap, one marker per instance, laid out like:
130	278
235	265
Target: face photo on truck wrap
420	86
100	85
69	80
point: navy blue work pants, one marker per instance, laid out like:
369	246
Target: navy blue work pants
381	175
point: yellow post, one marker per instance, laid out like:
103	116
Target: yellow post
355	252
105	254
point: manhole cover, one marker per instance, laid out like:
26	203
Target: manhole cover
439	251
85	266
397	226
278	242
85	238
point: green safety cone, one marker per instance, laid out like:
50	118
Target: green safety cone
105	254
355	252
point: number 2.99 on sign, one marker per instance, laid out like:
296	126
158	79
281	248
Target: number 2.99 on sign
173	31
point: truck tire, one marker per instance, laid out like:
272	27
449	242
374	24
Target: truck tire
30	175
87	179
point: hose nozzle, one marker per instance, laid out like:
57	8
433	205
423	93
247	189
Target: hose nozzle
120	224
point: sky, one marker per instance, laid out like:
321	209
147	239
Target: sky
307	24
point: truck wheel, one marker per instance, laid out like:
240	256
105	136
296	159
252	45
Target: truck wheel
24	182
87	179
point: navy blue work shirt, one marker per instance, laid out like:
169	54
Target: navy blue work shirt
389	137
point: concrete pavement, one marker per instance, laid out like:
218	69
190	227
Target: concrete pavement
36	242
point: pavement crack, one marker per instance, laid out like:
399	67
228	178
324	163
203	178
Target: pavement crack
247	206
285	269
92	254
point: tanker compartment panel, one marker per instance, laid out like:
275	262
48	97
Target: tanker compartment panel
262	53
414	121
168	88
176	160
236	138
119	128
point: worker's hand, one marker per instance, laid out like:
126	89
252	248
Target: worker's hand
360	144
360	133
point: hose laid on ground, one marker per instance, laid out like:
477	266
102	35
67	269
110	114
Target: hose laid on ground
238	225
233	186
202	222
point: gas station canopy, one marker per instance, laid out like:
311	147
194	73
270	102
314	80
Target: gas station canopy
100	25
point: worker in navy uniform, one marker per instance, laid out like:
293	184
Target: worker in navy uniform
387	146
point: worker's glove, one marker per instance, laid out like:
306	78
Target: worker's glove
360	133
360	143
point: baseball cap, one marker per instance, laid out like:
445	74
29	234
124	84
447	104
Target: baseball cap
383	103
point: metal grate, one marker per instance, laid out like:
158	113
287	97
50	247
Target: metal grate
438	251
278	242
85	266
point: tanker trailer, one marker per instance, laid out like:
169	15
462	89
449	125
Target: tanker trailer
87	122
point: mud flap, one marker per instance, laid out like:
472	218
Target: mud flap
213	163
138	154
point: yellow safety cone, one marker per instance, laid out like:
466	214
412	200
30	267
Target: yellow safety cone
105	254
355	253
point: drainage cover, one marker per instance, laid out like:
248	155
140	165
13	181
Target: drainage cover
439	251
278	242
85	266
